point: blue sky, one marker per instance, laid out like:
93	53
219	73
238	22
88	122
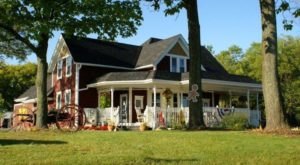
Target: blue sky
223	23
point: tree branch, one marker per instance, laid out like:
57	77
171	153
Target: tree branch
18	36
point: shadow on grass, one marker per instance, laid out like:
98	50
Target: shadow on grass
151	160
5	142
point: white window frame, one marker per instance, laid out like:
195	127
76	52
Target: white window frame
59	68
140	98
178	58
58	106
69	62
68	91
158	101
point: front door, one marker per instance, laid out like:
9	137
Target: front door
123	108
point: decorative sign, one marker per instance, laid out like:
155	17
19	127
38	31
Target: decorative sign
193	94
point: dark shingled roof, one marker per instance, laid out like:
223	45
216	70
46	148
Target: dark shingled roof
31	92
223	77
139	75
210	63
151	51
163	75
93	51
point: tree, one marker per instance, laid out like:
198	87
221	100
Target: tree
195	108
14	80
230	59
30	24
292	7
275	118
289	76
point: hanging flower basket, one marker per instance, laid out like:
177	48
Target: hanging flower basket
168	95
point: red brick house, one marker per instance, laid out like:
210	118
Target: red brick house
138	76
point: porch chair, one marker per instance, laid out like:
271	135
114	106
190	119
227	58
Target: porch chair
116	118
139	115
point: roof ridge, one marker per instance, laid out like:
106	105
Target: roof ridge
98	40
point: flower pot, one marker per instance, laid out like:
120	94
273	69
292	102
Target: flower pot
142	127
110	128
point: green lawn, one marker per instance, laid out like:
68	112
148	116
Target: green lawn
151	147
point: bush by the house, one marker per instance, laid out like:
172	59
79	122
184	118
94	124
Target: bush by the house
235	122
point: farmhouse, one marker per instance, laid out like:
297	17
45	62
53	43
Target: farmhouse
115	80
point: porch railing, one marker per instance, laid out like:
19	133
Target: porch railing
172	117
178	117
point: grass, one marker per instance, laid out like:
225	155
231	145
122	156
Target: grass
150	147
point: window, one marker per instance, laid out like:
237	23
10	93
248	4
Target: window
68	97
178	64
58	100
185	101
139	101
181	65
59	69
174	64
157	99
69	66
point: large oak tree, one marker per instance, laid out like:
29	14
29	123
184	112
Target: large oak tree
27	25
195	108
275	118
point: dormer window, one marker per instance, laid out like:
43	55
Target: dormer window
69	66
177	64
59	69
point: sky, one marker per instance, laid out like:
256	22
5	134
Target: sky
222	24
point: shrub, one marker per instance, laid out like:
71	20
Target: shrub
235	122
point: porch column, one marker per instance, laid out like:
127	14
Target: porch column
213	98
248	99
149	98
111	102
257	104
99	95
230	104
130	104
257	109
181	100
178	100
154	108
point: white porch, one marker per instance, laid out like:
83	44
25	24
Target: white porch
171	117
148	95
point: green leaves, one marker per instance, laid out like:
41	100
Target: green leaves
250	64
14	80
291	9
171	7
26	21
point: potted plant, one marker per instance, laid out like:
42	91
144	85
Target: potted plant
143	126
110	125
104	100
168	95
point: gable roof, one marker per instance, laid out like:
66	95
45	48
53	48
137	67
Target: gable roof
151	51
105	53
93	51
210	63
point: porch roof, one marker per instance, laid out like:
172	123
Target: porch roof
149	77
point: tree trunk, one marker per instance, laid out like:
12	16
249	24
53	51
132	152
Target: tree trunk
41	85
195	108
272	96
